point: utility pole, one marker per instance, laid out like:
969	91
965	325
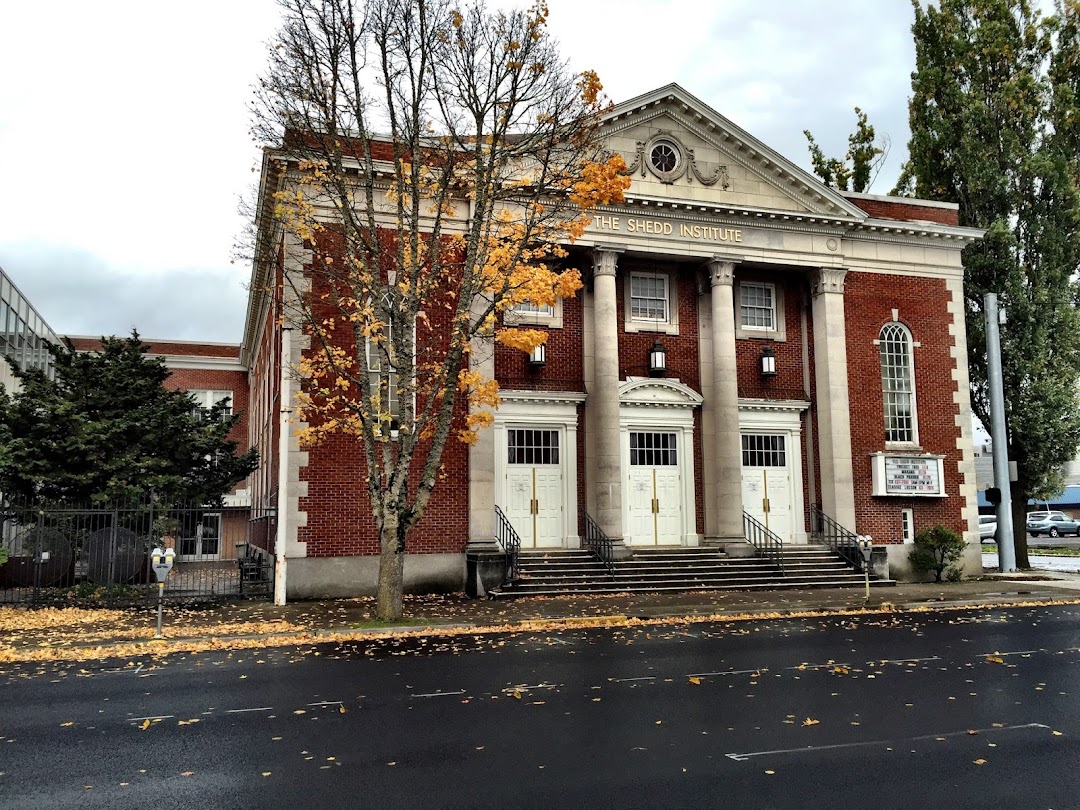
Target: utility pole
993	318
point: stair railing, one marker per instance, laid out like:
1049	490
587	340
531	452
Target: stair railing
596	541
843	542
768	545
508	538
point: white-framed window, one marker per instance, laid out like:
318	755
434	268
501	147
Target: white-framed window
526	313
907	525
528	308
757	306
208	399
898	384
649	298
382	368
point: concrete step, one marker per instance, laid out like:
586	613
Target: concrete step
599	588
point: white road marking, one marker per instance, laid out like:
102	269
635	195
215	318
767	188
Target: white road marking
440	694
902	660
151	717
742	757
326	703
624	680
256	709
1018	652
728	672
821	666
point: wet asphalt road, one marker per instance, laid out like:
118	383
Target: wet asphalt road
934	710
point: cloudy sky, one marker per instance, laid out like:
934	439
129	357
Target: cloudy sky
124	145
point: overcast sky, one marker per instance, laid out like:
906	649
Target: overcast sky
124	144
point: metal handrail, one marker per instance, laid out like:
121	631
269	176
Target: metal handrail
508	538
598	543
767	544
843	542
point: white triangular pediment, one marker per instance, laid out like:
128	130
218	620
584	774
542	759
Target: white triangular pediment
658	393
715	162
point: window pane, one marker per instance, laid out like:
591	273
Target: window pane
757	306
763	451
897	385
524	446
648	298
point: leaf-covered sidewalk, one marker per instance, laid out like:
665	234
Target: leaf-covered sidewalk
73	634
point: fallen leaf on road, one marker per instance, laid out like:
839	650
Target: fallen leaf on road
972	731
1057	733
810	721
144	725
266	773
342	709
995	659
695	681
391	763
68	723
980	762
188	773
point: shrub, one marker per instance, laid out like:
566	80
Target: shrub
938	550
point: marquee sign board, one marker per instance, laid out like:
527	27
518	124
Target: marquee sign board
908	475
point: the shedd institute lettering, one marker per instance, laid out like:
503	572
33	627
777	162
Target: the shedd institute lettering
703	232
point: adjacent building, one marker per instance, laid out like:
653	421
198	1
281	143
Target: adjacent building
24	334
748	341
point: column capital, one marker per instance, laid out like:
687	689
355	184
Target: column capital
721	270
605	261
828	280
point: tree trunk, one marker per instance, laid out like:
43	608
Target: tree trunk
1019	516
388	604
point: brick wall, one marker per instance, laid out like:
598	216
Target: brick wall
908	211
868	302
339	515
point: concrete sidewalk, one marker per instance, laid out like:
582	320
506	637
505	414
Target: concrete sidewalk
73	634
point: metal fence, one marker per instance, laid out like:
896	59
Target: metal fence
80	554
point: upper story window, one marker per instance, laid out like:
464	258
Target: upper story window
649	298
757	306
529	308
208	399
898	384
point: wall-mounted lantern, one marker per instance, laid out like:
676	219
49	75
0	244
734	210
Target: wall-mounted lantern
657	359
538	356
768	362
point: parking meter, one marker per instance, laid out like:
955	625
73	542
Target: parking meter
161	560
866	548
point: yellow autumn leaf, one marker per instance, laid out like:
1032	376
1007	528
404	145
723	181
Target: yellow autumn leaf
1057	733
810	721
266	773
144	725
342	709
68	723
980	762
995	659
694	680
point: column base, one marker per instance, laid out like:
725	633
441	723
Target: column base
485	567
619	549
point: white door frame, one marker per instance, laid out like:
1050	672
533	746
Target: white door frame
545	411
661	406
781	418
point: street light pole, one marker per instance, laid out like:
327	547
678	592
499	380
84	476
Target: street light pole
993	318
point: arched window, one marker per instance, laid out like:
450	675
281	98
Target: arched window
898	384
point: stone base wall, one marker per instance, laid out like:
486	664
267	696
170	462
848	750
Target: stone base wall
338	577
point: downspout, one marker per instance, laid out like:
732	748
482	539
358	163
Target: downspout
283	515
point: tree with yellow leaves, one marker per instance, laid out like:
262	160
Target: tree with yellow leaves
435	160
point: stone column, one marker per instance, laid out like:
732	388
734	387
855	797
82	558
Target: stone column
833	406
603	413
726	444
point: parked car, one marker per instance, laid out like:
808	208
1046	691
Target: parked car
988	528
1053	524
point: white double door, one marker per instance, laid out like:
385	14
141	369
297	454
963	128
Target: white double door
654	492
534	489
767	482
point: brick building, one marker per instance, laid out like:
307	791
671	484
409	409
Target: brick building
814	355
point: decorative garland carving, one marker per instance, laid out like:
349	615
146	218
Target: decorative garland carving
687	166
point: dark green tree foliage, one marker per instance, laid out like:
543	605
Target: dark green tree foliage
107	428
859	166
995	127
937	551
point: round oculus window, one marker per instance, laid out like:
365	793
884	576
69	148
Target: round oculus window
664	157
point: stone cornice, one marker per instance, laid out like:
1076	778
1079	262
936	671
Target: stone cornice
773	404
544	397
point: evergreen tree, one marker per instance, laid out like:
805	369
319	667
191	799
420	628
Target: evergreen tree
994	127
106	427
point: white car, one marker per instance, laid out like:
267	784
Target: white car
988	528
